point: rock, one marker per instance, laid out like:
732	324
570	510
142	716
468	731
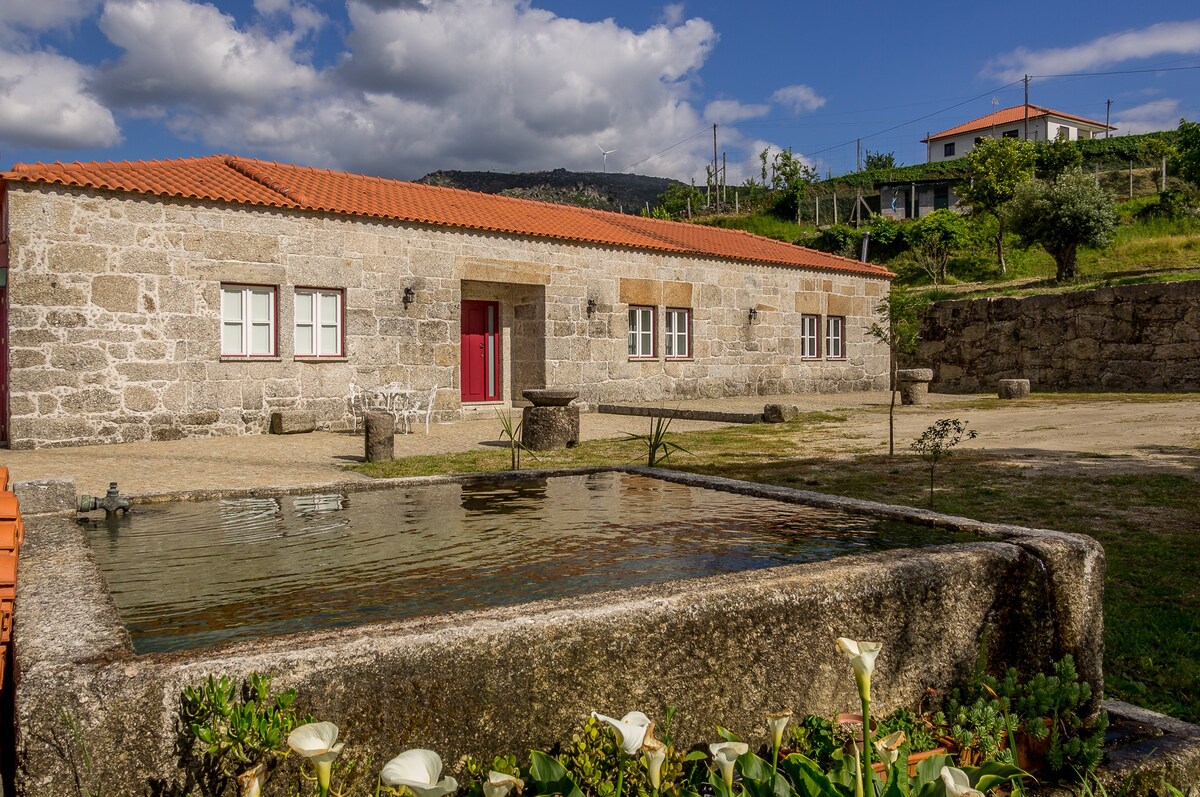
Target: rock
380	434
913	384
549	428
1014	388
43	496
780	413
293	422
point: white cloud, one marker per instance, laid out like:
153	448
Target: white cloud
469	84
1164	38
798	98
44	102
1148	117
182	53
728	111
38	15
672	14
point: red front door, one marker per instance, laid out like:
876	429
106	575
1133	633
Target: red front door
480	351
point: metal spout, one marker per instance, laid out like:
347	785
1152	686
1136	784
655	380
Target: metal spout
111	503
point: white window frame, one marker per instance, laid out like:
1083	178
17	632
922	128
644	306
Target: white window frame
810	336
835	337
677	339
948	149
316	322
642	337
240	298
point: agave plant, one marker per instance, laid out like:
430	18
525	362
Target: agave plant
656	440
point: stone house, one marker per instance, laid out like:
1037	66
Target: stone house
165	299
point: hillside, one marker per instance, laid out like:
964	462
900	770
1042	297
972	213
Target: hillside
626	193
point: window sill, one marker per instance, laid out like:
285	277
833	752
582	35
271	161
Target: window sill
680	359
306	359
643	359
265	358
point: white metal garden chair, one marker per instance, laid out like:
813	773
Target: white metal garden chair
420	404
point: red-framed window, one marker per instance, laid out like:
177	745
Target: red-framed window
249	320
677	331
835	337
810	337
319	329
641	333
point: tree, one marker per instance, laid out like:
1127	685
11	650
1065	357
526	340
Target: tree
788	175
899	326
1188	145
933	239
1158	149
996	168
675	200
1062	215
1056	157
873	161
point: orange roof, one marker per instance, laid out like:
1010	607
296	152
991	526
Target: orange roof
225	178
1010	115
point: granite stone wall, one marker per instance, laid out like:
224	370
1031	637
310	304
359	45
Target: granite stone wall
115	316
1131	337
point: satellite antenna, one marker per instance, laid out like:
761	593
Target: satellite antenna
995	105
606	153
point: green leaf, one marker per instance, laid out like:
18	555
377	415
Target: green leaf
550	777
727	734
760	780
695	755
807	778
929	770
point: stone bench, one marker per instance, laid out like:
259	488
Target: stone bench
1014	388
913	384
552	422
293	422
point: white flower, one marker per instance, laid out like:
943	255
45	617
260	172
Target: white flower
632	728
725	755
498	784
418	770
317	741
656	756
251	781
889	746
862	659
957	783
778	723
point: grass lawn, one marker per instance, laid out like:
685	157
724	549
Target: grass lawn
1144	516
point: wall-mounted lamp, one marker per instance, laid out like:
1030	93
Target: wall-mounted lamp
410	296
753	314
591	307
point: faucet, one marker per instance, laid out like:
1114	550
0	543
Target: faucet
111	503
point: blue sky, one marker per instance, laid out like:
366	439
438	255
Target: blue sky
402	87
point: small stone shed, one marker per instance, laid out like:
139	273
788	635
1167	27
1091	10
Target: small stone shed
168	299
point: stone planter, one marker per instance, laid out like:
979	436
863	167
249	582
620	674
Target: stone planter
913	384
551	423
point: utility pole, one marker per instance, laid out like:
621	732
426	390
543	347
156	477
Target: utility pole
724	181
1107	116
1027	107
715	166
859	155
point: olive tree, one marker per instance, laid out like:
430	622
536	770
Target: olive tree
1062	215
996	168
899	327
933	239
1188	144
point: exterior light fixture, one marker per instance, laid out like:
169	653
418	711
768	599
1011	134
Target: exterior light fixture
591	307
753	314
410	296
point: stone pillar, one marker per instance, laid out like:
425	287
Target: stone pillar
914	385
551	422
380	432
1014	388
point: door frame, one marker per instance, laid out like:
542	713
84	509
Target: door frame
496	337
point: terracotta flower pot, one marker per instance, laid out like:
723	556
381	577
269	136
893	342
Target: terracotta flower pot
913	760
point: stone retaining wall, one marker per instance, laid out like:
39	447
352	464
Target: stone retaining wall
722	649
1132	337
115	316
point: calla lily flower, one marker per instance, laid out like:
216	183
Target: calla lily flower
725	755
499	784
419	770
317	741
889	746
632	728
656	756
862	659
251	781
957	783
778	722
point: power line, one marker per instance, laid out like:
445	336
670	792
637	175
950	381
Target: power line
668	149
1121	72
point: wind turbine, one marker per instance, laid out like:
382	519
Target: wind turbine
606	153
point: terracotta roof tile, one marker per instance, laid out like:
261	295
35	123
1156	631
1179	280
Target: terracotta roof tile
247	181
1009	115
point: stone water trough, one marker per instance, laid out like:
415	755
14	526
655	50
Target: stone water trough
722	649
